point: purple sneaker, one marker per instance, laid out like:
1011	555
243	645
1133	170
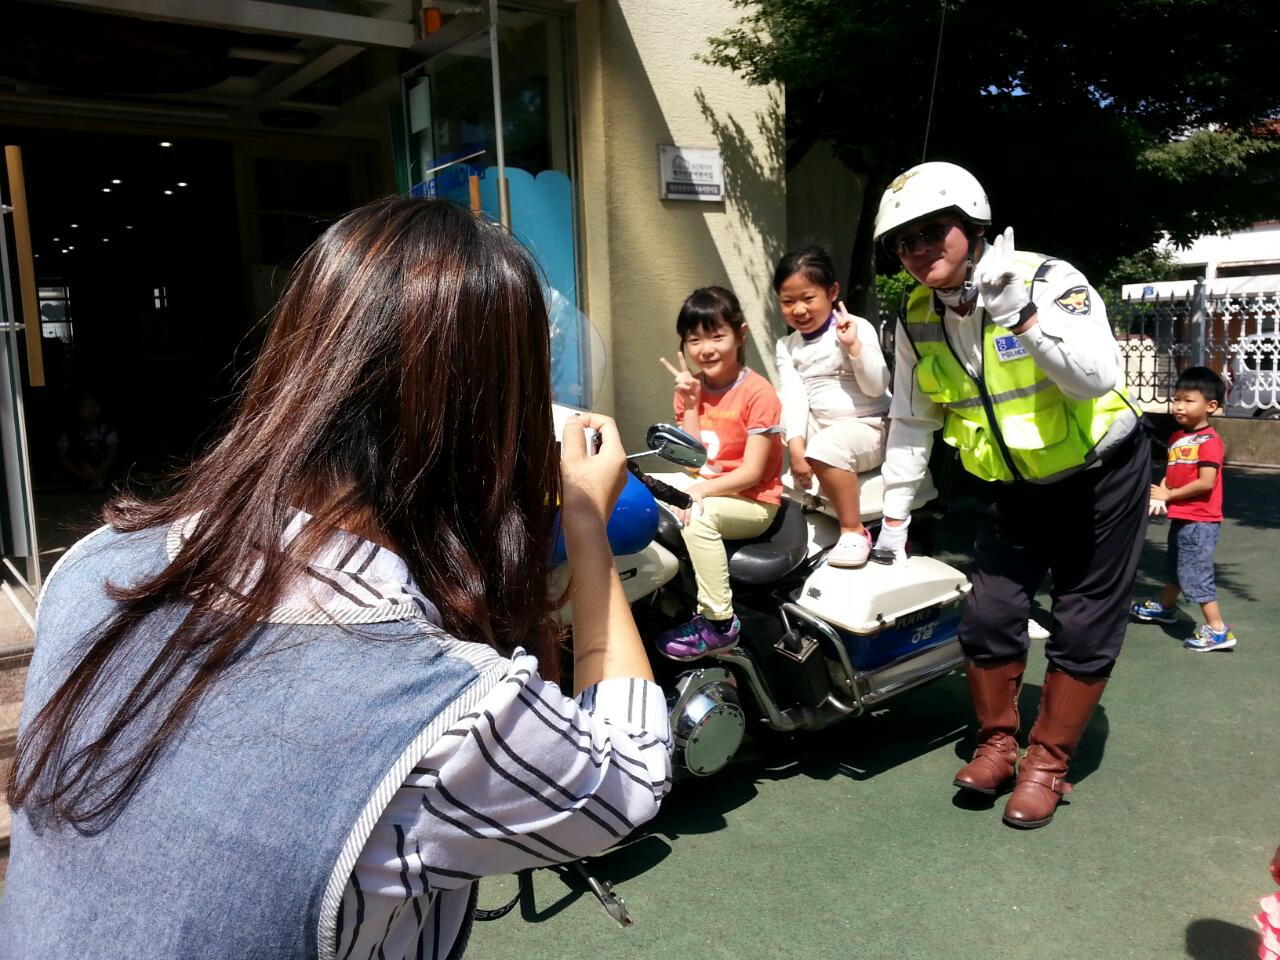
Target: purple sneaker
695	639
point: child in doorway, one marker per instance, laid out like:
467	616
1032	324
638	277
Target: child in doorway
1191	494
835	393
735	412
88	447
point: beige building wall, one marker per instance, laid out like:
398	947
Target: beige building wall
640	86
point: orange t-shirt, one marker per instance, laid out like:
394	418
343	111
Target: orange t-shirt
726	417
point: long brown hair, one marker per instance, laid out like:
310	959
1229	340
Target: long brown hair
403	389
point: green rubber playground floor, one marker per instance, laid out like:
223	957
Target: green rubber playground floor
852	843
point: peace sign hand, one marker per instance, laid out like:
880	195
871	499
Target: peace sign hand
688	386
1003	292
846	329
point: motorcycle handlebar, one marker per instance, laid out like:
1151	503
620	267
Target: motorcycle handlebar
661	491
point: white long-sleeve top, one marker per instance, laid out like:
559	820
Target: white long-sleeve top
526	778
522	777
821	380
1071	342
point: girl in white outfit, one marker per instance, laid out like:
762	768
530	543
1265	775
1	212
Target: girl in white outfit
835	393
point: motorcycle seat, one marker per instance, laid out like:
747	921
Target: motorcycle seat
773	554
760	560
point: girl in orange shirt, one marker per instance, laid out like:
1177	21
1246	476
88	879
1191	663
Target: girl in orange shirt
736	413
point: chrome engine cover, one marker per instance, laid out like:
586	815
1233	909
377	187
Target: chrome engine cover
707	720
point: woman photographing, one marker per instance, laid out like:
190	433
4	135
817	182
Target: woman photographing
299	707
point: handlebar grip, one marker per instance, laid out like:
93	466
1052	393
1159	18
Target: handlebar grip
661	491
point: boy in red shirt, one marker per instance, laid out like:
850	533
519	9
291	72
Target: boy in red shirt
1191	493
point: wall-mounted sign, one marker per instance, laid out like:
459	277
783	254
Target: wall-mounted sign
686	173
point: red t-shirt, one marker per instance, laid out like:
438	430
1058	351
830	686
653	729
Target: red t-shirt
726	417
1188	452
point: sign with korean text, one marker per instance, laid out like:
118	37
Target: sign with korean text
689	173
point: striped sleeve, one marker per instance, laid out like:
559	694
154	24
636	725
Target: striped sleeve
529	778
533	777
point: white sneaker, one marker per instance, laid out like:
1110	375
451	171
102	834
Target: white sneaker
851	550
1036	630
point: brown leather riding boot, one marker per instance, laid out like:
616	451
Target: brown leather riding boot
994	691
1066	704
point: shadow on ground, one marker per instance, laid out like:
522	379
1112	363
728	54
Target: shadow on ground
1249	498
1208	939
632	859
909	726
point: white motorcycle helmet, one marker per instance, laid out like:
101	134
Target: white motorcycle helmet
929	188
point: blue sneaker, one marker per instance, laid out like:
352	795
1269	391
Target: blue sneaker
1206	638
697	638
1152	611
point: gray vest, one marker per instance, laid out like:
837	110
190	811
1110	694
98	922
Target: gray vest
241	839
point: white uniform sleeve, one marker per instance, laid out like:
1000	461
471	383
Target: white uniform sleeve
913	420
1072	341
869	369
795	399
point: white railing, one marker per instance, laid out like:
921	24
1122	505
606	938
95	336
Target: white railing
1235	333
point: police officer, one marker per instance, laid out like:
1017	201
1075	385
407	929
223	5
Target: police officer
1010	355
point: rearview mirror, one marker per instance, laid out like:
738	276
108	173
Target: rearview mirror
675	445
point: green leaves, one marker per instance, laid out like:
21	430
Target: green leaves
1205	154
1095	127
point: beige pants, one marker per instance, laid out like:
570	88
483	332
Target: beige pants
721	518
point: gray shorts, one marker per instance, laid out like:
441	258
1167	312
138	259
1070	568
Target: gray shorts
1189	558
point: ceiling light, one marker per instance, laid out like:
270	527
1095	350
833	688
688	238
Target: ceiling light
64	250
128	226
106	189
168	193
106	240
115	181
74	225
182	183
165	143
71	246
56	239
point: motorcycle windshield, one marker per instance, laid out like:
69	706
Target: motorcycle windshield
577	353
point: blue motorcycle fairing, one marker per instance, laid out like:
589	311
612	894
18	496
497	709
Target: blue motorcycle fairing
632	525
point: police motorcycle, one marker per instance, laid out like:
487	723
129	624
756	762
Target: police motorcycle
819	644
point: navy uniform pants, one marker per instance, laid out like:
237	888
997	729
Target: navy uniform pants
1087	533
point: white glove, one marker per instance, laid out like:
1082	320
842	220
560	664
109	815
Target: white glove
1003	292
893	540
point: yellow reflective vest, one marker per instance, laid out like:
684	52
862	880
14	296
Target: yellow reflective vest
1012	423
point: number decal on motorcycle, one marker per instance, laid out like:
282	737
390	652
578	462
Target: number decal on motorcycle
712	443
923	632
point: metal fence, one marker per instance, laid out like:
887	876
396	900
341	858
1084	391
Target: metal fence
1237	335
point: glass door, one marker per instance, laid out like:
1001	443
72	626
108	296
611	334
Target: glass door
17	521
487	122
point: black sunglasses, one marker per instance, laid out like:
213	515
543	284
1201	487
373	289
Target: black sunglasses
930	235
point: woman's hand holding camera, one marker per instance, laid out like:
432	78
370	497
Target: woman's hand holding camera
590	483
605	640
